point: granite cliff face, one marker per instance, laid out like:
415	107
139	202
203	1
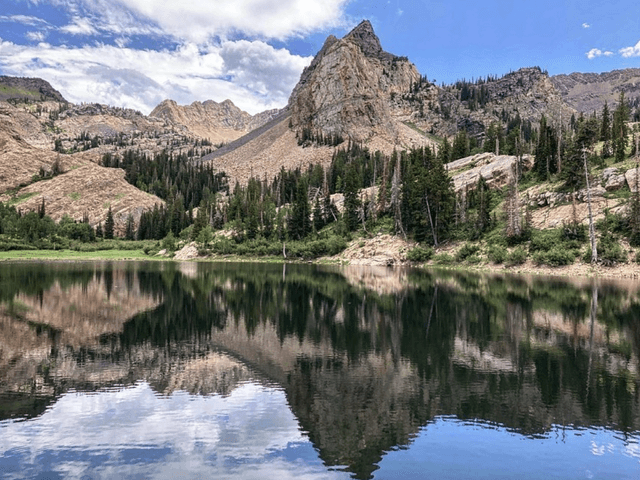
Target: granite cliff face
347	89
217	122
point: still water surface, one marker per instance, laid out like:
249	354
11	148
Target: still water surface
138	370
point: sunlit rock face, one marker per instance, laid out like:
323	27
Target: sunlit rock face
347	89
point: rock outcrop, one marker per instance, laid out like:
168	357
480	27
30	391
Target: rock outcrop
587	92
497	171
347	89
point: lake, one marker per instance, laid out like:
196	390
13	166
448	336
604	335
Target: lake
253	371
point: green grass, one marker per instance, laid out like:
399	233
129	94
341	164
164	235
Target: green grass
75	196
8	91
21	198
73	255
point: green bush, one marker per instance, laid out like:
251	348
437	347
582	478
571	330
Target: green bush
555	257
609	251
497	254
443	259
516	257
466	250
637	257
420	254
473	259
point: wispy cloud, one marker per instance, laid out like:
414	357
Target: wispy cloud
80	26
586	25
596	52
629	52
23	19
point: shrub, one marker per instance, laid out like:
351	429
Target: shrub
609	251
420	254
443	259
466	251
473	259
555	257
497	254
516	257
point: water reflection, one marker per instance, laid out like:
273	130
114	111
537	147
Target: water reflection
363	359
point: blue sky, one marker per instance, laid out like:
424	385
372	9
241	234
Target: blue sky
136	53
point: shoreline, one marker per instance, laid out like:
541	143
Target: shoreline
626	271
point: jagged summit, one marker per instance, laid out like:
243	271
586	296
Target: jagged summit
364	36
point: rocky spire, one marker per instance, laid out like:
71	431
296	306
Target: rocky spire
364	36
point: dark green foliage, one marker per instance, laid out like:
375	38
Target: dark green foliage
516	257
555	257
420	254
130	232
168	176
109	225
496	254
609	250
466	251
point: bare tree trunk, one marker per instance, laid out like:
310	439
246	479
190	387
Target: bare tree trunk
592	231
433	230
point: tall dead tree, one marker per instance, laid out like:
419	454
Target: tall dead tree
395	200
592	230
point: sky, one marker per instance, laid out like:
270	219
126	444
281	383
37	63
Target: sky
136	53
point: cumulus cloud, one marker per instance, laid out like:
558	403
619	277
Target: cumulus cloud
596	52
201	20
586	25
254	75
629	52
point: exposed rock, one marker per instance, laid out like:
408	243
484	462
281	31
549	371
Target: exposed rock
188	252
497	171
347	89
217	122
633	181
587	92
612	180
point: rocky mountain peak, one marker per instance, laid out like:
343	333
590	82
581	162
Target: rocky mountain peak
348	87
364	36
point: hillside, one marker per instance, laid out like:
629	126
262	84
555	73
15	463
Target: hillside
587	92
29	89
217	122
70	184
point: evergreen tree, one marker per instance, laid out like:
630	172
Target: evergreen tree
460	147
129	233
620	129
109	225
99	232
351	198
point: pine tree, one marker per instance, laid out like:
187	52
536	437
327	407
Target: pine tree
129	233
109	225
99	232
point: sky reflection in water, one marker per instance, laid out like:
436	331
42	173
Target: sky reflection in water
136	433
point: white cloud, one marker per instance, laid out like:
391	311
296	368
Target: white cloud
24	19
629	52
254	75
200	21
596	52
79	26
36	36
586	25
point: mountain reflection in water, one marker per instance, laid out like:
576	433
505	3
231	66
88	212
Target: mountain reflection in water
312	370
